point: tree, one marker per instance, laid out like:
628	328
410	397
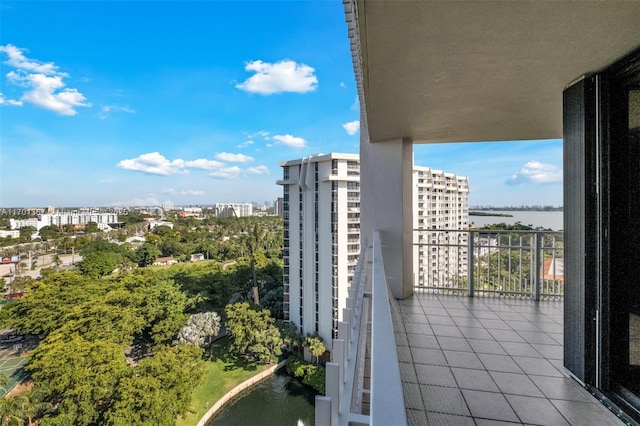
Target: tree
20	284
292	337
26	232
159	388
147	254
91	227
49	232
98	264
253	333
200	328
31	404
79	375
316	346
10	414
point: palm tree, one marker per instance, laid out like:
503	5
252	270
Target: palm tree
4	380
31	405
316	346
10	413
57	261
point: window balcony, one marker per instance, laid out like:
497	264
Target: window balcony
444	357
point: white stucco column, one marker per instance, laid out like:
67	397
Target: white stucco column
386	205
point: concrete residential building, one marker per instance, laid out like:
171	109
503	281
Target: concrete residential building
321	210
60	219
440	202
233	209
322	233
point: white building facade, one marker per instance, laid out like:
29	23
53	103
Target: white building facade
234	209
440	202
321	211
60	219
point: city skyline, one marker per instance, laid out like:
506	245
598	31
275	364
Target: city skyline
198	105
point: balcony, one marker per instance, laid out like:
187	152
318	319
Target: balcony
506	263
457	359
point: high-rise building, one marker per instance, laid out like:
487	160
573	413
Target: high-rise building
440	202
321	212
234	209
277	206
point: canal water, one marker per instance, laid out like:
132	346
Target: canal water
279	400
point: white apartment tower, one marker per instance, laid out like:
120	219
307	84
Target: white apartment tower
321	211
441	202
233	210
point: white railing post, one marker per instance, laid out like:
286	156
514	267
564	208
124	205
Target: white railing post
323	410
338	356
333	390
470	263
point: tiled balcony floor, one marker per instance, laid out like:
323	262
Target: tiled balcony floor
488	361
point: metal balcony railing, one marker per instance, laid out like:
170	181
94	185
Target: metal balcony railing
483	262
363	385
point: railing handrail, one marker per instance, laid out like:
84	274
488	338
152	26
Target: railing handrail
368	305
387	399
489	262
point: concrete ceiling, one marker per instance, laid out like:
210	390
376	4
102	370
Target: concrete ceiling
455	71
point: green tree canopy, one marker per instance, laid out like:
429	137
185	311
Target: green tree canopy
49	232
91	227
253	333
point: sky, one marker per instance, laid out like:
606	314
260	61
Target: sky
119	103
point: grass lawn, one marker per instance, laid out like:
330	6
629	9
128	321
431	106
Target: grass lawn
224	373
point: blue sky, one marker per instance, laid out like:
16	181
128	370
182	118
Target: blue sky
138	103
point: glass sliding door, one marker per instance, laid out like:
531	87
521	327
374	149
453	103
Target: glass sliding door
621	295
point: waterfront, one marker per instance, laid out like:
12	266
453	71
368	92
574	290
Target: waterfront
278	400
547	219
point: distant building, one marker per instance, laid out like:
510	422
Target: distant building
440	202
321	212
155	223
233	209
165	261
60	219
277	207
14	233
21	223
197	257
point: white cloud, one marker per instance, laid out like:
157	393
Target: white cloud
259	170
355	106
106	111
183	192
157	164
106	180
202	164
227	173
18	60
43	83
137	202
245	144
261	133
234	158
283	76
342	84
535	172
291	141
351	127
12	102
